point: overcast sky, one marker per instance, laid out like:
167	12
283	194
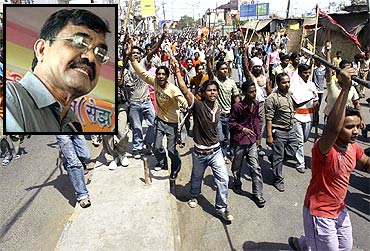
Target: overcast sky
177	9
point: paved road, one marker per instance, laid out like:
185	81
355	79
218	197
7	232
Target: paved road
36	197
267	228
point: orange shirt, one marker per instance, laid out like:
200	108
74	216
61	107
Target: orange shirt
195	82
328	187
196	61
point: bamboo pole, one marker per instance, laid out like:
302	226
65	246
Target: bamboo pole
246	33
250	39
315	38
146	172
127	17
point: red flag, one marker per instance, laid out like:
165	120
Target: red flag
322	14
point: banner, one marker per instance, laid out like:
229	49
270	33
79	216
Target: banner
168	23
147	8
19	55
322	14
95	115
294	26
254	11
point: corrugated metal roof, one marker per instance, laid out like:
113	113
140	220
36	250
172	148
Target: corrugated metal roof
256	24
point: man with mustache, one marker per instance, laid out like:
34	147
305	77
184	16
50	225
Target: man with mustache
68	57
280	128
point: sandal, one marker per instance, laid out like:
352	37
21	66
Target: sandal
84	203
6	160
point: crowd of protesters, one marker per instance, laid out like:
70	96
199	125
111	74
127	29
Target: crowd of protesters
275	98
167	79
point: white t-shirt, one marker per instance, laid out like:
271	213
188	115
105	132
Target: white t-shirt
333	90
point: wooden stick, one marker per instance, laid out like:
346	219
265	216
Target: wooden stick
315	37
250	39
146	171
246	33
125	23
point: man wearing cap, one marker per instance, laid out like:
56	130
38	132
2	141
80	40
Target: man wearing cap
263	89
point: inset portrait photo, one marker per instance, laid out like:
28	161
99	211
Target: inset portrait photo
60	69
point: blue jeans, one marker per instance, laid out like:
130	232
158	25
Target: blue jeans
76	153
303	130
223	133
240	74
216	162
138	112
170	130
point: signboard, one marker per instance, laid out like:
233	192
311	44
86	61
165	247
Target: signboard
95	115
254	11
147	8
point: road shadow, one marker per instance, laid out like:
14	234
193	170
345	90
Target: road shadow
181	192
358	203
62	184
53	145
22	151
229	240
251	245
266	171
17	215
359	181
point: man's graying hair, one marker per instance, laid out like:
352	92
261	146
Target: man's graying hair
58	20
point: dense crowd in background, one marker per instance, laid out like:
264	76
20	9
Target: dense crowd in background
182	85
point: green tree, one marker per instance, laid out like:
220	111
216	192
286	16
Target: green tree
186	21
237	21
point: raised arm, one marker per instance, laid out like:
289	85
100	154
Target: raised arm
181	83
140	71
329	73
337	114
247	72
209	53
156	46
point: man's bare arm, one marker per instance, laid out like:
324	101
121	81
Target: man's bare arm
337	114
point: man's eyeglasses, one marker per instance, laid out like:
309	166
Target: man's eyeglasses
78	42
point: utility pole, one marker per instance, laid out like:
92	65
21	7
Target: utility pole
368	24
193	5
164	12
287	10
